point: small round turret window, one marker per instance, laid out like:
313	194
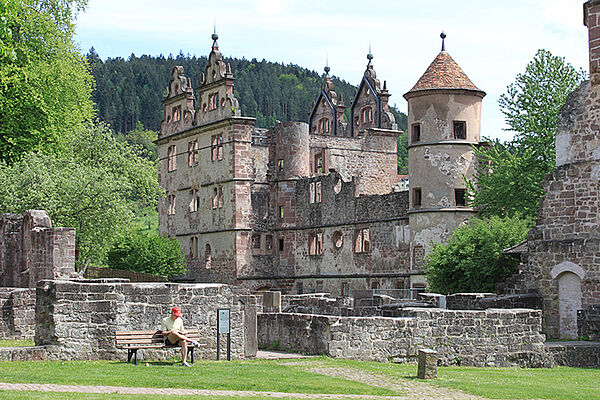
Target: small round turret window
337	185
337	239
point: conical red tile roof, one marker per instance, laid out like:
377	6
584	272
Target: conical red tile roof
444	73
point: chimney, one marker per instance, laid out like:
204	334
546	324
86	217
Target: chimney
591	19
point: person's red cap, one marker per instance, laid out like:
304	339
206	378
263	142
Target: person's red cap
176	311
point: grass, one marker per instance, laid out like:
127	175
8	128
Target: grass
16	343
291	376
256	375
17	395
561	383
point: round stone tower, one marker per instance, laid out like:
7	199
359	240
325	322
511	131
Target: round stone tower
444	122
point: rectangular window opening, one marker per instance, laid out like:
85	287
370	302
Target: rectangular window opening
416	197
460	197
281	244
459	129
416	133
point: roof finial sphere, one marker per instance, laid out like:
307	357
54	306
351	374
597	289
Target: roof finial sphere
443	35
214	36
327	69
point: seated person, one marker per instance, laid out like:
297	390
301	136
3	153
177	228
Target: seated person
174	333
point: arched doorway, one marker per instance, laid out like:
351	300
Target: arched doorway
569	276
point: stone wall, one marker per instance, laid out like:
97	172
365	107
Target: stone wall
79	319
18	313
588	322
480	338
31	249
132	276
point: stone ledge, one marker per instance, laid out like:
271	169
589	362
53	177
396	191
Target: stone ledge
28	353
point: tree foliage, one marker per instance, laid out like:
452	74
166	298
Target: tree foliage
149	253
45	85
95	184
508	177
472	261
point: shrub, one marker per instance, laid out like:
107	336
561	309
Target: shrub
148	253
472	261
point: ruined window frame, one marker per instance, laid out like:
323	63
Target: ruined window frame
207	256
171	204
213	101
193	153
315	192
366	115
345	289
256	241
176	113
459	126
281	214
280	164
216	147
281	245
324	125
194	201
218	197
194	247
172	158
362	241
318	163
415	133
315	243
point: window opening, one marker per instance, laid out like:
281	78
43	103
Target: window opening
460	130
207	256
172	158
460	197
213	101
193	153
194	200
194	247
416	196
217	147
363	241
416	133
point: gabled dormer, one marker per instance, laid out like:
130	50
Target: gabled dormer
215	93
178	105
369	107
327	114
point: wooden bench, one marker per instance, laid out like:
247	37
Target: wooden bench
133	341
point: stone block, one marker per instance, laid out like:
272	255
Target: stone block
427	368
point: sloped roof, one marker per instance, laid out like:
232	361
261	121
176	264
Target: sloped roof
444	73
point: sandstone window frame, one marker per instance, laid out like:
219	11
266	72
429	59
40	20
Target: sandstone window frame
314	192
172	158
194	201
171	204
366	114
218	197
324	125
418	255
193	153
345	289
460	197
207	256
213	101
176	113
319	165
256	241
362	240
459	130
280	165
281	214
315	243
415	130
269	243
337	238
194	247
216	147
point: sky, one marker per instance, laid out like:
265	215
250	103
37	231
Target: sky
492	41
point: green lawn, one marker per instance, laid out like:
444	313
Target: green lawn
16	343
16	395
294	376
255	375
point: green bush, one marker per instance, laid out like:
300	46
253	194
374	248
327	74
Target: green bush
472	261
149	253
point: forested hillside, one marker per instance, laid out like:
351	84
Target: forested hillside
131	90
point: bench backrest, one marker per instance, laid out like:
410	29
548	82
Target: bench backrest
136	338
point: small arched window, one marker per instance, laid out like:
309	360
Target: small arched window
207	256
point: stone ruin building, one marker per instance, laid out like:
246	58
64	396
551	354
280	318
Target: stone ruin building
561	257
305	207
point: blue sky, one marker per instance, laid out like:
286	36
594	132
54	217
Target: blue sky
491	40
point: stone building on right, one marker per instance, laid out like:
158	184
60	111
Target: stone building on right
563	262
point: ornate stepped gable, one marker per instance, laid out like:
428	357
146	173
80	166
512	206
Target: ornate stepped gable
178	105
327	115
369	107
216	100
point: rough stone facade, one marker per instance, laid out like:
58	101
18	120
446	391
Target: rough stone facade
18	313
31	249
78	320
588	322
478	338
304	207
562	261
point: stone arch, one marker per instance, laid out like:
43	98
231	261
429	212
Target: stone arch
569	276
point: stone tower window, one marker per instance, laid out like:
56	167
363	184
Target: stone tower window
416	197
216	147
337	239
213	101
172	158
324	125
281	212
256	241
280	165
337	185
269	243
416	133
281	243
459	129
176	113
460	197
362	243
299	288
319	163
218	197
345	289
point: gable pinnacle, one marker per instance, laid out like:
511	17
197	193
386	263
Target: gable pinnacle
327	69
370	55
443	36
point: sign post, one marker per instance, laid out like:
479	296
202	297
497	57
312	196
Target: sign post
223	326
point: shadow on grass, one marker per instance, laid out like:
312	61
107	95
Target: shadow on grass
149	363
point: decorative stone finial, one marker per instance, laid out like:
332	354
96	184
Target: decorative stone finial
214	35
327	69
443	36
370	55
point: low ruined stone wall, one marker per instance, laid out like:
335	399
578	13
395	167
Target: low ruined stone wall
18	313
575	354
491	337
99	272
78	320
482	301
588	322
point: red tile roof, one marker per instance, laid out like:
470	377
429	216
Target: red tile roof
444	73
